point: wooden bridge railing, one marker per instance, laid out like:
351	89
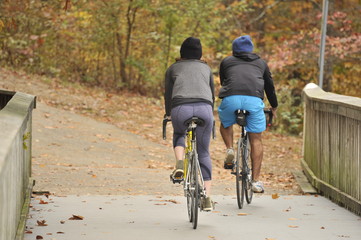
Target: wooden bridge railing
332	145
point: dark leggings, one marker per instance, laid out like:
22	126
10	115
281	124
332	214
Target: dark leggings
182	113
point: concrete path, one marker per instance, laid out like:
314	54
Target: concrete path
158	218
119	183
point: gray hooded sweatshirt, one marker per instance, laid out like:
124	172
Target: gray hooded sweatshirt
188	81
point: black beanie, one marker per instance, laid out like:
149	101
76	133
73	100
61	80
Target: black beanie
191	48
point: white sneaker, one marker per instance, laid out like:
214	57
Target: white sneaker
257	187
228	162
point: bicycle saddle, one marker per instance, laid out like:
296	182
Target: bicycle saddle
241	117
197	120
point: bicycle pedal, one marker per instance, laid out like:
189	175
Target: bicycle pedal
228	165
176	180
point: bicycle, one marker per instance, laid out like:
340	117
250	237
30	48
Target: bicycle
193	184
242	168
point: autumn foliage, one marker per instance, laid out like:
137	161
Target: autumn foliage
128	44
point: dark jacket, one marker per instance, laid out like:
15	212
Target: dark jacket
246	73
188	81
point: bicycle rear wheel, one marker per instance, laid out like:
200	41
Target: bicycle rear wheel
248	173
195	193
187	187
189	191
239	182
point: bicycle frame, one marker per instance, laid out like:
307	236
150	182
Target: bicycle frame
189	150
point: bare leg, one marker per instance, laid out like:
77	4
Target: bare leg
179	153
227	135
207	186
256	154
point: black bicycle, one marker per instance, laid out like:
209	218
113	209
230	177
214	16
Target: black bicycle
242	167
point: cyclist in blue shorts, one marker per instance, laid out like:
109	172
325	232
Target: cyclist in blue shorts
244	78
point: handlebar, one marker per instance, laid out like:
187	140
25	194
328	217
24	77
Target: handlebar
270	117
165	120
214	130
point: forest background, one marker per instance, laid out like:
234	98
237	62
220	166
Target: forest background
127	45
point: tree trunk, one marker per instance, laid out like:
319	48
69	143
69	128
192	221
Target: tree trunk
131	15
123	75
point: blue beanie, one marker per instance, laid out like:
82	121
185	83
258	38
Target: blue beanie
242	44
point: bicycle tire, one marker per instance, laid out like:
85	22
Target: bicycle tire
238	170
248	176
189	194
196	191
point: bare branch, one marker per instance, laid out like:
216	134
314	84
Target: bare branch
261	15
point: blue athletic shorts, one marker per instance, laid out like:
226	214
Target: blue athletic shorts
256	120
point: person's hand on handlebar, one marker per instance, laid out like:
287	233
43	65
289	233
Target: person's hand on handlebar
274	112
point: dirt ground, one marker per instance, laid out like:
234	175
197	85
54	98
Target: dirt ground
101	117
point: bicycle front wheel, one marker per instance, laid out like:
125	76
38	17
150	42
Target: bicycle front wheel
239	182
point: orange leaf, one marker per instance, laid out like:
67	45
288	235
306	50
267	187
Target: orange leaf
242	214
275	196
43	202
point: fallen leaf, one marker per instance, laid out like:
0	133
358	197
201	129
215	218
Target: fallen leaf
322	227
242	214
293	226
39	237
60	232
76	217
42	223
29	232
43	202
62	222
275	196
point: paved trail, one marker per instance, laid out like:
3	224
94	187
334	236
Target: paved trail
73	154
118	182
162	218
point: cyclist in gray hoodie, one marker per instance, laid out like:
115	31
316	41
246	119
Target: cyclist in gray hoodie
189	92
